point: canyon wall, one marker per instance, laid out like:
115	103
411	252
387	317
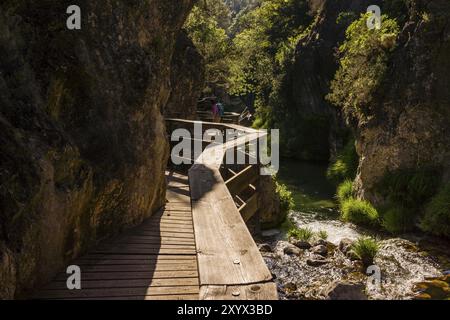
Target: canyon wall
311	125
83	146
187	80
408	120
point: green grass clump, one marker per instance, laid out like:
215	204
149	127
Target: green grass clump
365	249
322	234
303	234
286	199
359	212
345	191
346	164
437	214
398	219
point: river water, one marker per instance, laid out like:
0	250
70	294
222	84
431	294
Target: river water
403	261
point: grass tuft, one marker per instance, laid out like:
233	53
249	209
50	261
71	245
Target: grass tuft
359	212
365	249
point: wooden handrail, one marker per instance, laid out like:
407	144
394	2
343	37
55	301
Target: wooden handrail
230	264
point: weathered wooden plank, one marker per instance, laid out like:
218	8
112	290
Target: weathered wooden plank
115	275
127	283
93	256
259	291
157	297
164	234
160	261
249	209
240	182
85	293
121	250
227	253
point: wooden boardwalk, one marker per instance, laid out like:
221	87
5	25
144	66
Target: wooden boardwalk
155	261
198	247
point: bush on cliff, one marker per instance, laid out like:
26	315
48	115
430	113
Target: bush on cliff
437	214
286	199
363	64
346	164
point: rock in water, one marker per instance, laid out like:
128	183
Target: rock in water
345	245
301	244
292	250
265	247
346	291
317	262
320	249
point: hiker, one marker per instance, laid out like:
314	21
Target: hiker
221	111
215	111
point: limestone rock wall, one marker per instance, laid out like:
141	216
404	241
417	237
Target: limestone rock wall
187	80
409	124
83	146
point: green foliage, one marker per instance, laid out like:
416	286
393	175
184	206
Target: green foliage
286	200
207	26
398	219
437	214
264	37
322	234
303	234
346	164
409	188
345	191
363	63
359	212
365	248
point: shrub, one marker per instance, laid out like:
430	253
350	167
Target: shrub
363	64
286	199
303	234
365	249
437	214
322	234
345	191
346	164
409	187
398	219
359	212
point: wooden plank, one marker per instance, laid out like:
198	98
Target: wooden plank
133	275
157	262
85	293
249	209
240	182
137	257
227	253
127	283
157	297
115	246
259	291
121	250
164	234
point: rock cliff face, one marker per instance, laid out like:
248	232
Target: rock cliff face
409	118
311	123
187	80
83	147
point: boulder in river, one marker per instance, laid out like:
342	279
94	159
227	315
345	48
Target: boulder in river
345	245
345	291
301	244
265	247
320	249
317	262
292	250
